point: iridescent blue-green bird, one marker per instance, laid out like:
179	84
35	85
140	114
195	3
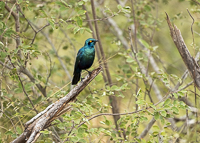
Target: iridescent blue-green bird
84	59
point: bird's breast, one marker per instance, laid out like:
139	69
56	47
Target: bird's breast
87	58
90	52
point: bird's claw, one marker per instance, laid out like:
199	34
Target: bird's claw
90	73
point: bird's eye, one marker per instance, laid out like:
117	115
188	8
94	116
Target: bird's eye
90	41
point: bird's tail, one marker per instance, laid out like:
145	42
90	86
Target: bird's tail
76	78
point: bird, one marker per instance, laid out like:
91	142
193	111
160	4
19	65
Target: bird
84	59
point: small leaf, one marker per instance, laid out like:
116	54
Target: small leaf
51	22
79	21
70	26
130	60
63	3
2	5
81	130
156	115
46	132
119	7
44	13
80	3
88	30
175	95
74	139
144	43
76	29
147	8
3	54
9	133
167	101
81	12
19	131
65	47
155	134
175	109
153	106
163	113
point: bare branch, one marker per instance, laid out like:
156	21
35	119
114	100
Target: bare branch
189	61
53	111
146	130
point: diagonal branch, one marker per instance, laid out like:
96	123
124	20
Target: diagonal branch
30	76
189	61
146	130
43	120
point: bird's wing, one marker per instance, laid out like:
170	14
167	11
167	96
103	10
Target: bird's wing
78	58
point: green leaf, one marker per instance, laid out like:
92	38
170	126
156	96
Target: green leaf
140	102
153	106
9	133
119	7
155	133
79	21
162	120
155	128
144	43
163	113
70	26
82	30
9	32
147	8
74	139
130	60
156	115
81	12
80	3
3	54
46	132
107	122
76	29
19	1
19	131
175	109
175	95
88	30
81	131
116	88
65	47
167	101
154	48
44	13
125	10
82	141
2	5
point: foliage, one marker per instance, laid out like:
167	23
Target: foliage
37	59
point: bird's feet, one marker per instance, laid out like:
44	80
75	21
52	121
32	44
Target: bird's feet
82	78
89	72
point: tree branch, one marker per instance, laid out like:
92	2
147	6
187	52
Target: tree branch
189	61
146	130
53	111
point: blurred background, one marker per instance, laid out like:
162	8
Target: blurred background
39	43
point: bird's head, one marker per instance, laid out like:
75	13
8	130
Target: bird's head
90	42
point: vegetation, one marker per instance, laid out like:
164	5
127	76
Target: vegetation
144	93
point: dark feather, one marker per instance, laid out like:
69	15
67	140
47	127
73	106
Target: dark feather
76	78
